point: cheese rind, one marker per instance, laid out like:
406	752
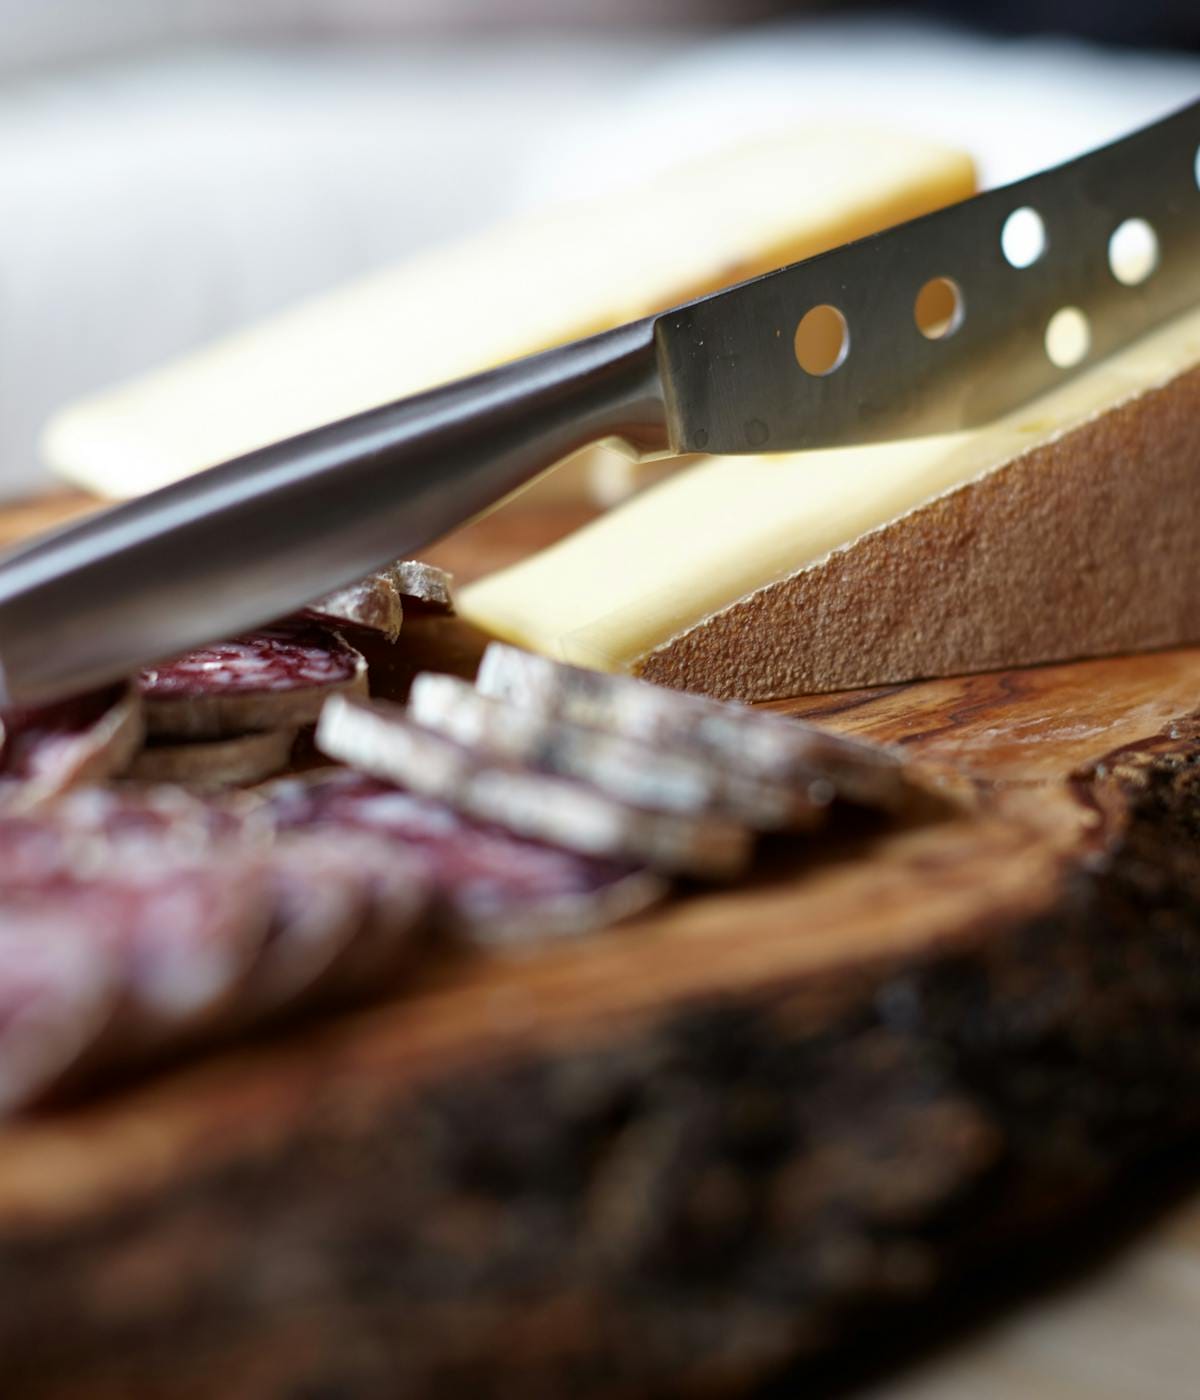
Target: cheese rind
1065	529
509	292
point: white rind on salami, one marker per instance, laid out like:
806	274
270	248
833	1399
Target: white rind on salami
45	751
372	603
208	764
492	887
273	679
380	739
626	769
376	602
425	584
726	734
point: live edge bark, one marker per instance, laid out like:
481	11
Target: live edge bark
725	1191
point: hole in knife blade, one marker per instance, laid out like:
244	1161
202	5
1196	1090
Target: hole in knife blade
938	308
822	340
1023	237
1133	252
1068	337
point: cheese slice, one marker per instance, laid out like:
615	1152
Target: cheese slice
510	292
1067	528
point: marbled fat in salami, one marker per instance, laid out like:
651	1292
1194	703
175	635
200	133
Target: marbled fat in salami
170	894
491	885
274	679
59	994
47	749
348	913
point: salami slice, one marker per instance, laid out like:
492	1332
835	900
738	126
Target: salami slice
626	769
429	587
173	891
376	603
134	824
207	764
48	749
373	603
59	993
349	911
380	739
733	737
492	887
274	679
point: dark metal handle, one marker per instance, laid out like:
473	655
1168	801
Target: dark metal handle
257	537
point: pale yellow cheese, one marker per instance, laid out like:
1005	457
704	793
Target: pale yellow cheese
510	292
613	592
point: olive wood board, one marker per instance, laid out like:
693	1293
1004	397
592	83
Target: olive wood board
698	1154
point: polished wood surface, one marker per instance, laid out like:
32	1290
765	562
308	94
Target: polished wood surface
1040	771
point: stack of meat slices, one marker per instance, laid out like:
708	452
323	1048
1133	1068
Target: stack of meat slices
230	713
608	766
138	919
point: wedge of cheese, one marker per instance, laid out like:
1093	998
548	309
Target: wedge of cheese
1066	529
510	292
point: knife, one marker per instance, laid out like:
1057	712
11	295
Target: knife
935	325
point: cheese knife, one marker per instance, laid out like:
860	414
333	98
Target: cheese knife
936	325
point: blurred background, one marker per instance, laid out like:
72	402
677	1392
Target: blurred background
172	171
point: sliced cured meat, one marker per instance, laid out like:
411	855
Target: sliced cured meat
380	739
397	889
187	932
59	993
348	911
373	603
173	890
53	747
215	763
274	679
132	825
728	735
376	603
627	769
426	585
174	939
492	886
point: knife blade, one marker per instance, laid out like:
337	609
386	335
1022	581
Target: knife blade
934	325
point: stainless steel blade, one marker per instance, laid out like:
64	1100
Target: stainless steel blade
254	538
729	363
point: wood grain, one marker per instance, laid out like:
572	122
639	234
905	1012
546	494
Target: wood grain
674	1158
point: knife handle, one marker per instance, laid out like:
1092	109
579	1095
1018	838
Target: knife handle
258	537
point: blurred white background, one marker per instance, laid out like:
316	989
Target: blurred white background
169	172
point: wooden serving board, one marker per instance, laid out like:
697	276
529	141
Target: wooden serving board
698	1154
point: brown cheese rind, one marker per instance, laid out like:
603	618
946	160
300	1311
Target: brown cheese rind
277	678
648	776
215	763
1083	546
379	739
732	738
